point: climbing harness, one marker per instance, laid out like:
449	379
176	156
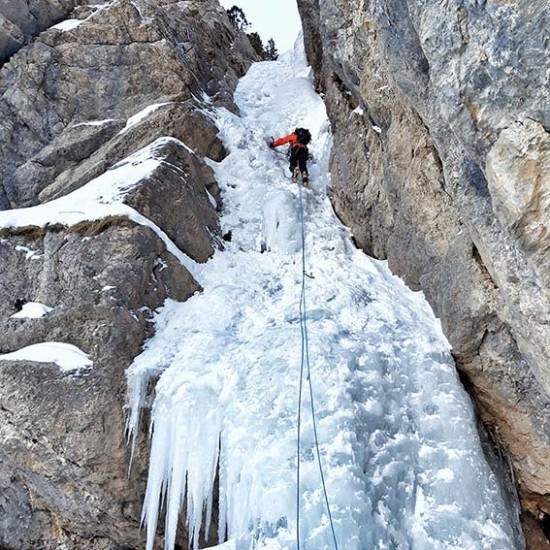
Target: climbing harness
305	363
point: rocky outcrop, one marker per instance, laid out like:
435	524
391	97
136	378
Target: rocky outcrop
440	113
63	97
76	105
64	457
64	434
23	19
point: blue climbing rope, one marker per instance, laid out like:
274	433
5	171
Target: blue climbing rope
305	362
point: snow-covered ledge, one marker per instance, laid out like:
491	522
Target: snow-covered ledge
69	358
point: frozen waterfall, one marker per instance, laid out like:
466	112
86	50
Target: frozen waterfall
402	458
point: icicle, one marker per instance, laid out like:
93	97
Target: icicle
177	478
137	386
158	465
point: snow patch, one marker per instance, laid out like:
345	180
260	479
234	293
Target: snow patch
101	198
68	24
137	118
159	262
32	310
67	357
71	24
93	123
29	254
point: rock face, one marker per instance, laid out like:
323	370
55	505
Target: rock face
23	19
63	435
440	113
120	59
74	104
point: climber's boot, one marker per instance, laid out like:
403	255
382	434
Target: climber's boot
295	175
305	179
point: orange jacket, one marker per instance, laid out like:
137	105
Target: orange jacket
291	138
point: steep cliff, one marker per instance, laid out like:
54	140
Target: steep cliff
104	124
441	159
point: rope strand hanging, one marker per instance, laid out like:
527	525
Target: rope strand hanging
306	363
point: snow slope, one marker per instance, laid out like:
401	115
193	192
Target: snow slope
403	462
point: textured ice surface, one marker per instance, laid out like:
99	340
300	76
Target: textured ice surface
403	461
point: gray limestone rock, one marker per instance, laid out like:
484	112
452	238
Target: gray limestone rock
440	113
185	213
518	177
11	38
184	121
103	279
64	434
64	154
23	19
123	58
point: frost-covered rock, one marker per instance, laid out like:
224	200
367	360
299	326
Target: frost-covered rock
445	174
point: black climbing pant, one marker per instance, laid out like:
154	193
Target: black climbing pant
298	157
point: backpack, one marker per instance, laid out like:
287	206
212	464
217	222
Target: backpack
303	135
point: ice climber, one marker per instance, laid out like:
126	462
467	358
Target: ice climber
299	153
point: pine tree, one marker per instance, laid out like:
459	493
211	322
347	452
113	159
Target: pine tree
267	53
270	51
238	18
239	21
257	44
